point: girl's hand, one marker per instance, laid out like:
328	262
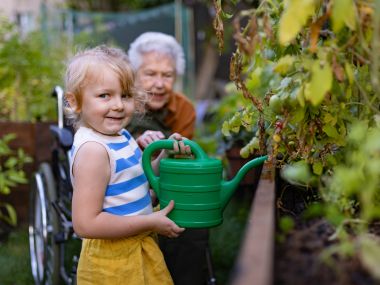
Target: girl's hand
163	225
148	137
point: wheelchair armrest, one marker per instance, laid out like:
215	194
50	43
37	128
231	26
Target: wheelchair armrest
64	136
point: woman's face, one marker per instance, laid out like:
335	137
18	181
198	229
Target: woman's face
156	75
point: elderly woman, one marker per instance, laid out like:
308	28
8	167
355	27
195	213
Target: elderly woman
158	59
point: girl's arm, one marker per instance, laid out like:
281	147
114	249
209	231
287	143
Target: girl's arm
91	170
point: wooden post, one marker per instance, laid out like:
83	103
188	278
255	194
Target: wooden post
255	261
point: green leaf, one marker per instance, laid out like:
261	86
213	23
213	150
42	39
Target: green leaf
244	152
369	254
320	84
331	131
226	129
297	173
343	13
226	15
371	145
286	224
8	137
254	80
11	217
294	17
6	190
298	115
301	95
358	132
317	168
349	72
17	177
330	119
11	162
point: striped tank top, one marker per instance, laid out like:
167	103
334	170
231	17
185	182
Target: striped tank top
127	192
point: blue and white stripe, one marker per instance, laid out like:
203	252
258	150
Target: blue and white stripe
128	190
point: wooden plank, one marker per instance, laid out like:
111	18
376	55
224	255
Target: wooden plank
255	261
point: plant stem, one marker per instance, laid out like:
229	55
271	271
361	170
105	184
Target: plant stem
376	49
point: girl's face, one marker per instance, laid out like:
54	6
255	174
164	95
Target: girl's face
156	75
104	106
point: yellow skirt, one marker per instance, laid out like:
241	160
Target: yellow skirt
135	260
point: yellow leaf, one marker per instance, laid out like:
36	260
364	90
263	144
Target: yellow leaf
301	95
320	84
330	119
317	168
284	64
343	12
349	72
294	17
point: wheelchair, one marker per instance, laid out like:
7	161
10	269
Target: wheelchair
54	247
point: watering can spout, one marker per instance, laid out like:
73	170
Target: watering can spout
229	187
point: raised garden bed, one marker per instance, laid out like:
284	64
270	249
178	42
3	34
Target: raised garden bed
255	262
296	258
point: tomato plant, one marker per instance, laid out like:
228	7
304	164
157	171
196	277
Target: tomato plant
311	72
307	69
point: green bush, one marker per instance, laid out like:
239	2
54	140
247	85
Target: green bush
29	68
11	174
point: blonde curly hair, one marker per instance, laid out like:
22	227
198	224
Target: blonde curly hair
87	62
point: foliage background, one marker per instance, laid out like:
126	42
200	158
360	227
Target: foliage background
310	69
29	68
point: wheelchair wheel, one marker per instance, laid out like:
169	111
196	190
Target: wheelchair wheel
43	225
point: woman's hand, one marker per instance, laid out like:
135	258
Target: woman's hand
179	149
179	146
148	137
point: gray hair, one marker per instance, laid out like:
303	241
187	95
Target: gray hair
158	42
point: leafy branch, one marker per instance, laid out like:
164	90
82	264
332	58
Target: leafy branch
11	174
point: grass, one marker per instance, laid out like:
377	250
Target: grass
15	266
14	259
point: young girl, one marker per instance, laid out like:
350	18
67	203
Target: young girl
111	205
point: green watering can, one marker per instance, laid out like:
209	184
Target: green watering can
195	185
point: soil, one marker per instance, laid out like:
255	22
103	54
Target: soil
297	258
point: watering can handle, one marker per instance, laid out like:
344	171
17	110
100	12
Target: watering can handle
165	144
